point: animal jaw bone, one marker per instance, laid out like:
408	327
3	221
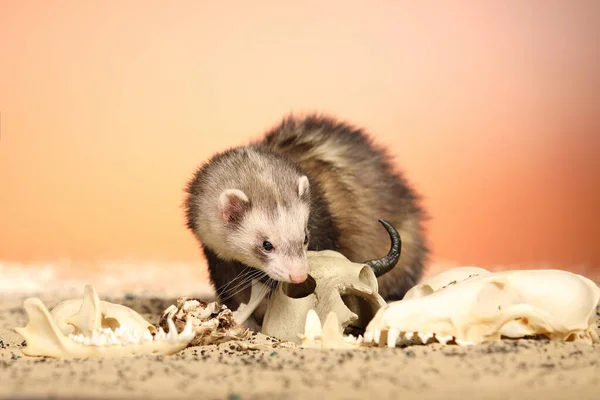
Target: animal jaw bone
555	304
44	337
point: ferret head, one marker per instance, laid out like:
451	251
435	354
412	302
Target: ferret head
269	236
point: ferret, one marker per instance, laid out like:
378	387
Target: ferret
311	183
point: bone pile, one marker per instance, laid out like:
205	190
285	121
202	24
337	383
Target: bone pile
212	323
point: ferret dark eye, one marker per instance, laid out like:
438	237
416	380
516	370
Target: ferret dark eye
267	245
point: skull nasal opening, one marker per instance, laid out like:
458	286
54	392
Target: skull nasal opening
299	290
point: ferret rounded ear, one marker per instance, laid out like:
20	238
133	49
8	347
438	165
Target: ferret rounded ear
233	203
303	186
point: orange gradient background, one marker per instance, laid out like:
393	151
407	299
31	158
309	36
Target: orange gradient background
492	109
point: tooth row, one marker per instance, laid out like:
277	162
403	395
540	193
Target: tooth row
123	337
354	339
394	335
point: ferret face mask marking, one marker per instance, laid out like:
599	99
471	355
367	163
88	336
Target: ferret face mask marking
279	244
273	241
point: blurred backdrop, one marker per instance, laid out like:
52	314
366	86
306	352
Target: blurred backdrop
490	108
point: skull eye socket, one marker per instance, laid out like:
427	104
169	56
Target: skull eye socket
299	290
111	323
364	308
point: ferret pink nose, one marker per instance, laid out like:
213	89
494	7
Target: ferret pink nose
298	277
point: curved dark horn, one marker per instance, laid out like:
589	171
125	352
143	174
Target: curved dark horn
387	263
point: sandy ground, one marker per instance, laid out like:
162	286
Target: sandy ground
509	370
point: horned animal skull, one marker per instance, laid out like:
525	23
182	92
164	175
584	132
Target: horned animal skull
335	285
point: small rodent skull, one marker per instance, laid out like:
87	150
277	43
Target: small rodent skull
335	284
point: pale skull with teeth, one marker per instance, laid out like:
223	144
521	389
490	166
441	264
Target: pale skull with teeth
335	285
470	306
89	327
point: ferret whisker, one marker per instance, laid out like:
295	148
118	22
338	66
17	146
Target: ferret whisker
240	290
242	283
267	286
241	287
226	285
242	279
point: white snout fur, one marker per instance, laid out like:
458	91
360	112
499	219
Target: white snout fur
285	270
